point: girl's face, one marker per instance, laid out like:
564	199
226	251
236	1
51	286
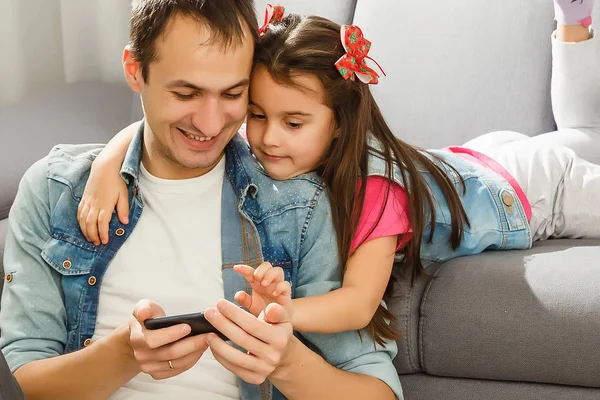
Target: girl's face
289	129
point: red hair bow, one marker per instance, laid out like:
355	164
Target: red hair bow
357	50
273	14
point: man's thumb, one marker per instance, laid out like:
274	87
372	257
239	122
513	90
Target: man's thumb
147	309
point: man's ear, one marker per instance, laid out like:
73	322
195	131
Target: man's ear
132	70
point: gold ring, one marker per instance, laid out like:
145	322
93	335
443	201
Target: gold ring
171	365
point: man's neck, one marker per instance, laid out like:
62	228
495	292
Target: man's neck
162	166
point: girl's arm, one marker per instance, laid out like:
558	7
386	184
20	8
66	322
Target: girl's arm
105	189
350	307
353	305
382	223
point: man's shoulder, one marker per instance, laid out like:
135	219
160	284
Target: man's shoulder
69	154
71	163
65	163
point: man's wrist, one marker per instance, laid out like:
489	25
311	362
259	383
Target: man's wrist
285	371
118	345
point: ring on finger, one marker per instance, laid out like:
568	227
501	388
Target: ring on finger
171	365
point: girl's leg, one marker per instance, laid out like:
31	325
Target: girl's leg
576	81
563	189
493	140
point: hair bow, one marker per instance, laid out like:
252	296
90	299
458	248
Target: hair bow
357	50
273	14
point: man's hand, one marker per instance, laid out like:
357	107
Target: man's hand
163	353
268	286
268	340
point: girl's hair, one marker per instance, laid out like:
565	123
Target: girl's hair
311	46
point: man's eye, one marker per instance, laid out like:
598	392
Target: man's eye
232	96
182	96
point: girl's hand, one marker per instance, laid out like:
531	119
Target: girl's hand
574	12
268	286
104	190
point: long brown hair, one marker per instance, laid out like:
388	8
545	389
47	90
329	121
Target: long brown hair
312	45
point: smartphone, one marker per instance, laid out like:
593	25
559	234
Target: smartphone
196	321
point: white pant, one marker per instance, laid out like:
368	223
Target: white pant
563	189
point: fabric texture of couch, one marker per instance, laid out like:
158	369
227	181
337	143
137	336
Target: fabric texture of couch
500	325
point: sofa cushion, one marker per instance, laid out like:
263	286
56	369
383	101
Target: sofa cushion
458	69
405	304
340	11
424	387
516	315
77	113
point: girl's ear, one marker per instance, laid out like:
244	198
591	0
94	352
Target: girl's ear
335	128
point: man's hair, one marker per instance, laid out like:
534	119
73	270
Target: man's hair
225	18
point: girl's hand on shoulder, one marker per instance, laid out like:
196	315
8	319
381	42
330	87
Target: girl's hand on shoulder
104	191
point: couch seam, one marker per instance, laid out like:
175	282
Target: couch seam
420	333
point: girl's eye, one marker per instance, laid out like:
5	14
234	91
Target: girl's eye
257	116
182	96
294	125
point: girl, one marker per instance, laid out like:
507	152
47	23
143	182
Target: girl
311	109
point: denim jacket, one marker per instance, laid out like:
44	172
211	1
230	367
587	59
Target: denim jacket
497	217
50	305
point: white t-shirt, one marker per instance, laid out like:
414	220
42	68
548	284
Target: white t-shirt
173	257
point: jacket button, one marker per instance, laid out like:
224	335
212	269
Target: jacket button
67	264
87	342
92	281
9	278
120	232
508	199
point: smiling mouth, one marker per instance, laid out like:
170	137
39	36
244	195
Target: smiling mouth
271	156
195	137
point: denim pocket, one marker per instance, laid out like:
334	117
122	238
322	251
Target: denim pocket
68	259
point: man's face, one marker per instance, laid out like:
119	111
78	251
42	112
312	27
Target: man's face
195	99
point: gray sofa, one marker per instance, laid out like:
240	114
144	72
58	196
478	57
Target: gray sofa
501	325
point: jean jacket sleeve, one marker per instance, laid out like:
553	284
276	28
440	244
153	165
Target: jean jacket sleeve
32	312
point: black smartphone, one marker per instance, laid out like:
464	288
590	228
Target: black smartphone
196	321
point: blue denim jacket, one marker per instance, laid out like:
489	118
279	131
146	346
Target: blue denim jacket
50	305
497	217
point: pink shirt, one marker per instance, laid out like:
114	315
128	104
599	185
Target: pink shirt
394	220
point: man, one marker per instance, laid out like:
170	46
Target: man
198	206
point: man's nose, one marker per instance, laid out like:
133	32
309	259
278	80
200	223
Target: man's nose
209	119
